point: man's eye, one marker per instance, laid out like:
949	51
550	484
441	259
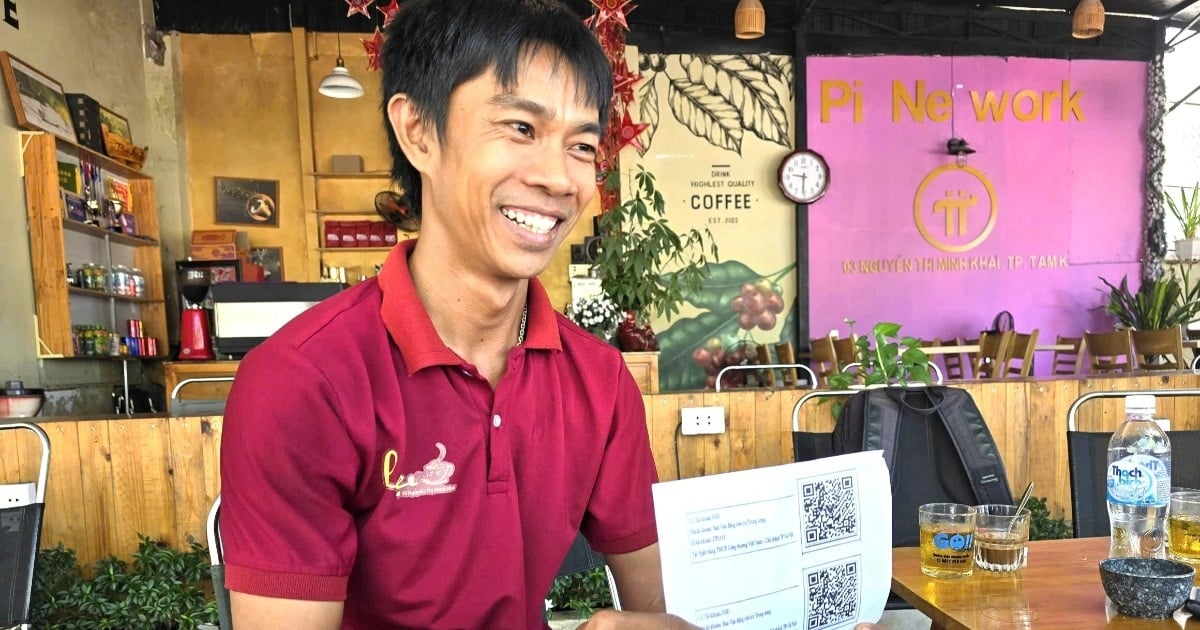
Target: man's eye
584	147
524	129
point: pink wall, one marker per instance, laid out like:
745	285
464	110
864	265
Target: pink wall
1068	190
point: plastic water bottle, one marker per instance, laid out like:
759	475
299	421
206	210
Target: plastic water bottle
1139	482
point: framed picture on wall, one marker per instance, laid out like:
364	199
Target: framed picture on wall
247	201
271	260
38	101
114	123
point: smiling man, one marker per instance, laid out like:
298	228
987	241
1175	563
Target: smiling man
421	450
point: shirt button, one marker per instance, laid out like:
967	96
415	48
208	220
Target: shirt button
496	421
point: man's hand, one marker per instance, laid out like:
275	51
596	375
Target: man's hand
608	618
868	626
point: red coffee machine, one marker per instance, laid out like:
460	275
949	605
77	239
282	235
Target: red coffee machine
195	333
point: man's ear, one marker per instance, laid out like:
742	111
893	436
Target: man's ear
410	130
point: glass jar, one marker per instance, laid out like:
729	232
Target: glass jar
139	283
119	280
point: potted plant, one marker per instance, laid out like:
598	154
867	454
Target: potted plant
1157	304
892	360
1187	212
596	314
645	266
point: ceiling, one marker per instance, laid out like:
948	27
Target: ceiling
277	15
825	26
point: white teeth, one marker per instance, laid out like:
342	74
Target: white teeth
534	223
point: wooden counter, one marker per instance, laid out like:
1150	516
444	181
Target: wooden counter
175	372
113	478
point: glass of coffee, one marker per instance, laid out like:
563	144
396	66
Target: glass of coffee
1183	527
1001	536
947	539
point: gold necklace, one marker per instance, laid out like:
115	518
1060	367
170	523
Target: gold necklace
524	320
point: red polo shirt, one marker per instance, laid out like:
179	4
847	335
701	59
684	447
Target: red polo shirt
364	460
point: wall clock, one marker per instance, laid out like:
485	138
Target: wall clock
803	176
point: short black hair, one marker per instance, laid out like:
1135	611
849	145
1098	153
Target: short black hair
434	46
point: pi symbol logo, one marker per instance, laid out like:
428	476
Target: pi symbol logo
955	208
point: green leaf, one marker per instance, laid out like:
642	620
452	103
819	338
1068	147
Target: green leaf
676	370
724	283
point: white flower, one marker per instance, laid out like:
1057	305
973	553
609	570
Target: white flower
597	314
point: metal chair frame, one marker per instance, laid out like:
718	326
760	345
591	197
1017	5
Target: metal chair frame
769	366
1072	413
25	588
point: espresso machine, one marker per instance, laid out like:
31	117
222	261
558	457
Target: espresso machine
195	331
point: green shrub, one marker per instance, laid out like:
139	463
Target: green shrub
583	592
1041	526
164	589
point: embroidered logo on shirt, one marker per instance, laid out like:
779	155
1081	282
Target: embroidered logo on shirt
434	478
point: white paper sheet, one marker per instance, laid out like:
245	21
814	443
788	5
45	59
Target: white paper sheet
806	545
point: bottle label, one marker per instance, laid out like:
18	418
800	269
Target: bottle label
1140	480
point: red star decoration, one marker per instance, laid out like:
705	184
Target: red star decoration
389	12
359	6
623	82
628	132
610	10
374	48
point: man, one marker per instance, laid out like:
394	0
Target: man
421	450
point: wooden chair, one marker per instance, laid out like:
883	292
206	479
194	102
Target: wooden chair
1068	361
954	364
767	376
1158	349
786	355
843	348
994	352
1023	345
831	355
824	358
1110	351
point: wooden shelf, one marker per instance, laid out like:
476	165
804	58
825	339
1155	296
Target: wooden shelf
103	161
116	237
362	175
50	249
354	249
109	357
104	295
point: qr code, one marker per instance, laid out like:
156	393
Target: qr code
829	510
833	594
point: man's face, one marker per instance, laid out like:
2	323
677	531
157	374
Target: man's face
513	170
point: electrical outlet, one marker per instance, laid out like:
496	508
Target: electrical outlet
16	494
702	420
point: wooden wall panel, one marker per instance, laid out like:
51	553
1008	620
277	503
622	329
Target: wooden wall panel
113	479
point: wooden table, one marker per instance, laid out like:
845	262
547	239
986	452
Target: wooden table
1060	588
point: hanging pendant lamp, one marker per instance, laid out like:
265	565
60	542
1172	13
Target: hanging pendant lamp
749	20
339	83
1088	20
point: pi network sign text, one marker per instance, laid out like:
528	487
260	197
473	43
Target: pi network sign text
914	101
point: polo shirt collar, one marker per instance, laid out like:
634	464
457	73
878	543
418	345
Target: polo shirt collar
412	330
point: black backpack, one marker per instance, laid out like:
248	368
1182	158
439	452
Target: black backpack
935	443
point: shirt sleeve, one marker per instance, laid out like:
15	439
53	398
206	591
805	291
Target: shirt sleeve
620	513
287	471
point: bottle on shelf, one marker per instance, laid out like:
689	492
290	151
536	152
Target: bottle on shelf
1138	482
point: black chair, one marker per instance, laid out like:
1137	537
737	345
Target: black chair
1087	455
20	539
810	445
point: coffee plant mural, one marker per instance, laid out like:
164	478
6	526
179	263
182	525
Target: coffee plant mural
741	308
719	98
